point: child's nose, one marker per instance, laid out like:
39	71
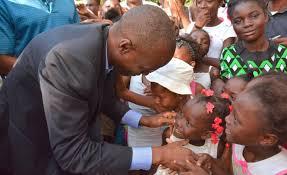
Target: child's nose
227	119
179	122
157	100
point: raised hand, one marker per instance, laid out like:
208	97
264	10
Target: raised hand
202	17
85	13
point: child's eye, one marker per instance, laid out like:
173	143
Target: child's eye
253	16
187	123
237	21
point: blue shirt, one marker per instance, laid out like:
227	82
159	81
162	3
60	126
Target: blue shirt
22	20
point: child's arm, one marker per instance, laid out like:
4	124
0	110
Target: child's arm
216	166
123	92
177	10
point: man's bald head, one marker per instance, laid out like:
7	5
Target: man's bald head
149	35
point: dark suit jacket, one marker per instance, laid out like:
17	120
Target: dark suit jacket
54	94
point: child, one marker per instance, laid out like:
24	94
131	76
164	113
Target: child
257	128
202	71
200	117
170	84
258	124
204	74
254	52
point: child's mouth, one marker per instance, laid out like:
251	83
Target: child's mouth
227	131
177	133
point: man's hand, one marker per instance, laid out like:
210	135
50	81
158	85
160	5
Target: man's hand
281	40
170	154
158	120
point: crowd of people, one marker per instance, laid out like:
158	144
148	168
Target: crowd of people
138	88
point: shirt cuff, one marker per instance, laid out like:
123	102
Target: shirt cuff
142	158
132	118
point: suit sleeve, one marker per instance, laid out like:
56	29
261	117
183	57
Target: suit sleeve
65	85
112	106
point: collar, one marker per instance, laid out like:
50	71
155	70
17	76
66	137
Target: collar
108	68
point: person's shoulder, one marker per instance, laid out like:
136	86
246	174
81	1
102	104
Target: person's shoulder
230	47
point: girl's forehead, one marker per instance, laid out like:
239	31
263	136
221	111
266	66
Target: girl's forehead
246	7
247	103
194	109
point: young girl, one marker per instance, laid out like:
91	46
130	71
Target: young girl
201	123
257	128
201	70
204	74
254	52
170	84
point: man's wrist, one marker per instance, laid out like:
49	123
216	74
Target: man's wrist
143	121
157	153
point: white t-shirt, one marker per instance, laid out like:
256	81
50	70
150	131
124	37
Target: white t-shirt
142	136
222	14
275	165
217	36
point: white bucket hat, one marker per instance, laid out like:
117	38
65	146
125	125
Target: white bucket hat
175	76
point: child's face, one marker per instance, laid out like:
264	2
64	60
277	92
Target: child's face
166	99
183	54
193	124
244	125
211	5
202	39
249	21
233	87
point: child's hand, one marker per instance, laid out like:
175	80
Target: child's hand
205	161
281	40
193	170
158	120
202	17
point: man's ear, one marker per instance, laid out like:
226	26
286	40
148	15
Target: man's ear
125	46
269	140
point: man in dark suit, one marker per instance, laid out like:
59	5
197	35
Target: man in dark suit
65	77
